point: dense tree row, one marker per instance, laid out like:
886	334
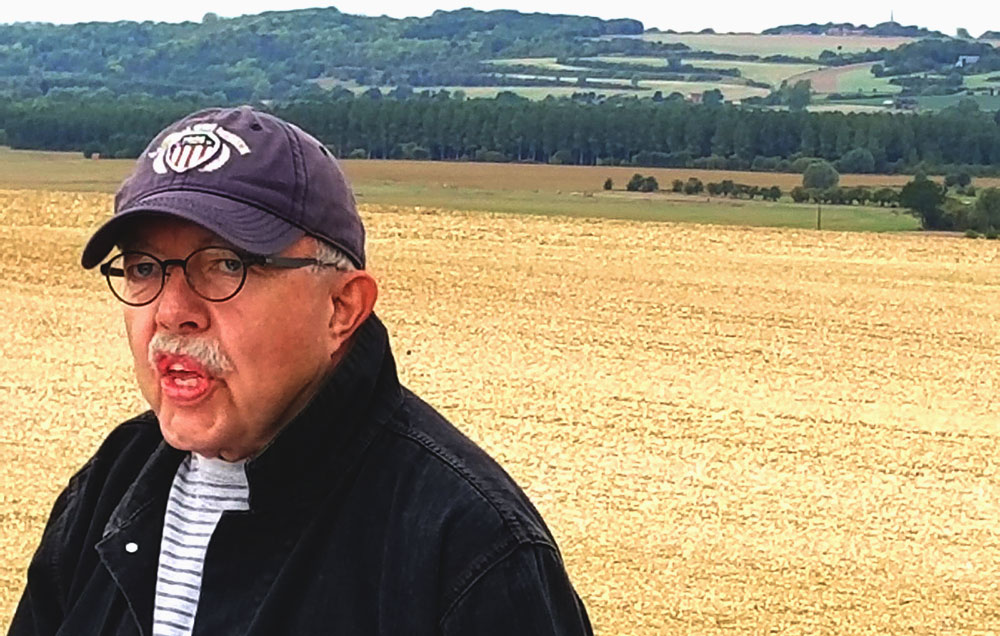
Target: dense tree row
611	132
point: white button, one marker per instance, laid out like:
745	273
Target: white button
131	547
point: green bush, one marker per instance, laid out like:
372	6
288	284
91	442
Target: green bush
609	184
992	234
694	186
820	174
649	184
970	233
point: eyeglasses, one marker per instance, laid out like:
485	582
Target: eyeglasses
214	273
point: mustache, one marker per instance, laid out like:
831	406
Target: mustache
206	351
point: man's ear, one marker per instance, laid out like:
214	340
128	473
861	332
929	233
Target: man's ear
353	297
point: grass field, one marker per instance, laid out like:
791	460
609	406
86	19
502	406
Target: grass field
847	79
983	80
729	430
772	73
765	45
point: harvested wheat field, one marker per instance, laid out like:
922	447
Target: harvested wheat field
729	430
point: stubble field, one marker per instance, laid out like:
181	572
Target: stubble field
729	430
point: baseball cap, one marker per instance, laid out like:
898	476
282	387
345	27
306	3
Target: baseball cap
257	181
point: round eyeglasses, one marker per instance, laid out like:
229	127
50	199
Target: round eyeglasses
214	273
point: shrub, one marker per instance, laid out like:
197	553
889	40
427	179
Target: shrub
677	185
649	184
960	179
694	186
992	234
820	174
634	183
799	194
970	233
857	160
609	184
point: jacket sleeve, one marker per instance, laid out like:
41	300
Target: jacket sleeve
525	593
43	603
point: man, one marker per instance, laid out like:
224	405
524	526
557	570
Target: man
283	482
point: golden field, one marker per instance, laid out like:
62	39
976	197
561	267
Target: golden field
729	430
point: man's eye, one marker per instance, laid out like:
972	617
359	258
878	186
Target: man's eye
141	270
230	265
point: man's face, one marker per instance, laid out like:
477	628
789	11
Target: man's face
273	337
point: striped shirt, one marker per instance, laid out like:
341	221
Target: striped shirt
203	488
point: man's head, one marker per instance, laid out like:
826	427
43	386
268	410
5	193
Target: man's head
230	342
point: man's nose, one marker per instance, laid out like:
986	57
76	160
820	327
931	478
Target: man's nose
179	308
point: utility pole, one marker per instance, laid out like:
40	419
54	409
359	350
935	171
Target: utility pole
819	215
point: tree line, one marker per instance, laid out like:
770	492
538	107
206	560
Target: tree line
617	131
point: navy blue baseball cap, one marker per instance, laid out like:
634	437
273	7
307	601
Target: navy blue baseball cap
257	181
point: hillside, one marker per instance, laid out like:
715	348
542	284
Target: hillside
275	54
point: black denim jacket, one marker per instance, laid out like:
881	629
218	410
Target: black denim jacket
369	514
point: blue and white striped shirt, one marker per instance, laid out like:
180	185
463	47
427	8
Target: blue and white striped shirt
203	488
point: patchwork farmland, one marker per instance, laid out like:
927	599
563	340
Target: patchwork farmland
730	430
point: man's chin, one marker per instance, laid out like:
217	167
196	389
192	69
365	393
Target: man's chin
188	433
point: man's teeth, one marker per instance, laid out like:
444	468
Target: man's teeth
186	382
177	367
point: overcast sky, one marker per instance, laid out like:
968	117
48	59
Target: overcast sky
721	15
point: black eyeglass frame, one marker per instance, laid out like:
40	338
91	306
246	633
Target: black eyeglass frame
246	258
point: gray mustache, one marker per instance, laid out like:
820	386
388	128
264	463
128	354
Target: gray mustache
206	351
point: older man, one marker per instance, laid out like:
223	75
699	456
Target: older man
283	482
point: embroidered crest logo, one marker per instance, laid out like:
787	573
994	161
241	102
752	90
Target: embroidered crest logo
203	147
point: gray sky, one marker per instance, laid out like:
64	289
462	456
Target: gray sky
722	15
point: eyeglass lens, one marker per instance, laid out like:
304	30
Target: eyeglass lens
213	273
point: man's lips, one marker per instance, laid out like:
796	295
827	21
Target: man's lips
182	378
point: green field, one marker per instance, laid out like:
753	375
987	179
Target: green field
983	80
861	79
933	102
573	191
768	72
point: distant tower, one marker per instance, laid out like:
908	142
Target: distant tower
891	19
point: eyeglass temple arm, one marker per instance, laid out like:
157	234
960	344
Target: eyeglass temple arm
286	262
107	270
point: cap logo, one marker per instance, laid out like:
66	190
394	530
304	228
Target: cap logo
205	147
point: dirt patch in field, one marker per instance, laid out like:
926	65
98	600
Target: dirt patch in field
826	80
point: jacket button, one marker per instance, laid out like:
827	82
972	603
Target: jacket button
131	547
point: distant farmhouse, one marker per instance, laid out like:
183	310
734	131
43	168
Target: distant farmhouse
966	60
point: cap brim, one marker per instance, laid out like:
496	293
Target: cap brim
242	225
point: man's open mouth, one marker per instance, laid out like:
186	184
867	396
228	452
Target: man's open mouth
182	378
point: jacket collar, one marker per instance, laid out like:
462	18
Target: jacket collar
320	446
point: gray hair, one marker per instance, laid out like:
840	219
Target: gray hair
331	256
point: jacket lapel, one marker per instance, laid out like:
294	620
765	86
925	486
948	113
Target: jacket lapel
130	545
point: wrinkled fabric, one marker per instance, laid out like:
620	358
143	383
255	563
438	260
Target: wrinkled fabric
369	514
